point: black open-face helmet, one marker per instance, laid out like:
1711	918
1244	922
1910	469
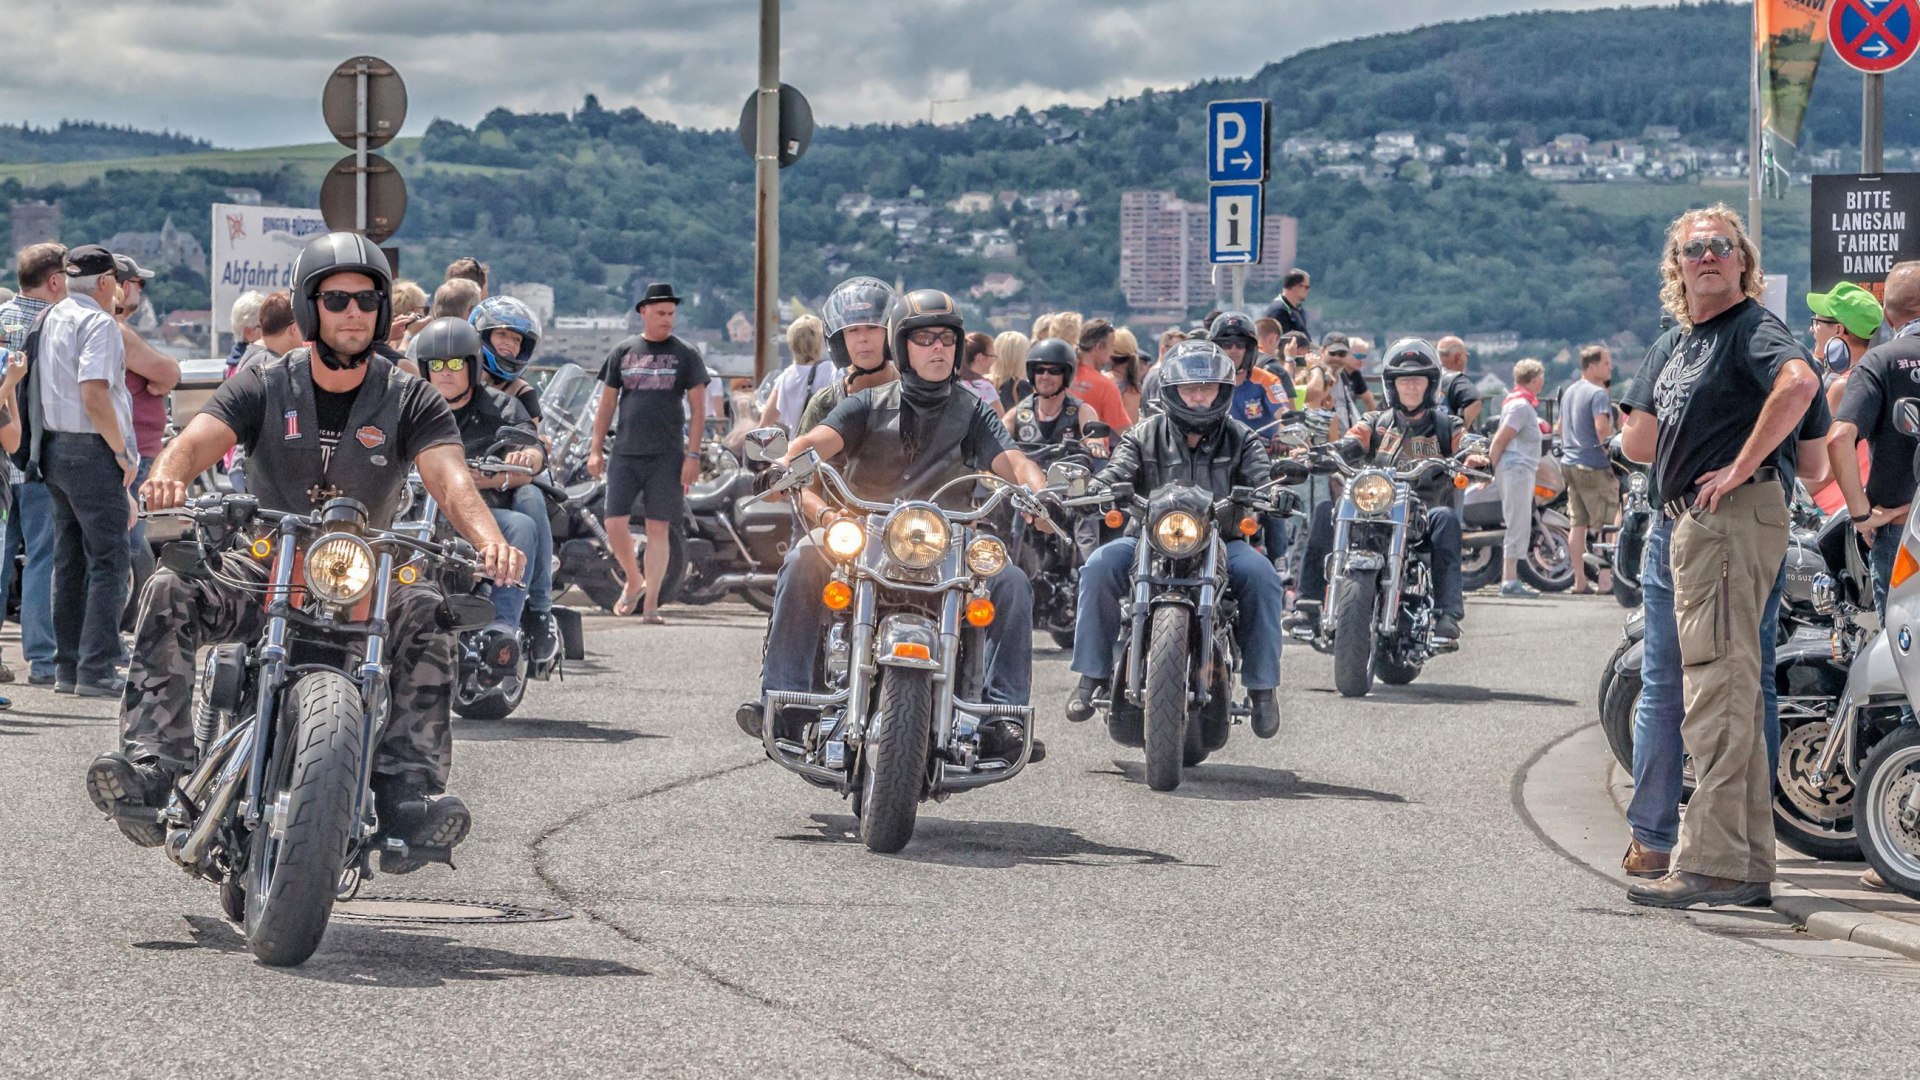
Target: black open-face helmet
445	338
860	301
1411	356
920	310
1051	352
339	253
1192	363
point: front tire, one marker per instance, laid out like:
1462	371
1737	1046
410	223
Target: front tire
292	876
1890	773
1353	635
1479	568
895	769
1166	705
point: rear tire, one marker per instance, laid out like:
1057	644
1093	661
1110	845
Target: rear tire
1479	568
291	880
1353	635
1062	638
496	704
895	769
1166	705
1549	562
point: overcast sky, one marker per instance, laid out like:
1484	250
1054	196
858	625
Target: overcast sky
250	73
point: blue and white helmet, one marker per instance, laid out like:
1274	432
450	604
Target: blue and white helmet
505	313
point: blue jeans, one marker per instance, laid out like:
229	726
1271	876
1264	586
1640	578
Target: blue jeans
509	601
1886	545
91	563
30	527
1256	626
528	500
798	625
1659	754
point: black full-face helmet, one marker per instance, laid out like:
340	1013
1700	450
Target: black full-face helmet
860	301
1192	363
1054	353
445	338
339	253
1407	357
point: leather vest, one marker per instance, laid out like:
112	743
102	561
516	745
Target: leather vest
1392	449
878	468
285	468
1024	420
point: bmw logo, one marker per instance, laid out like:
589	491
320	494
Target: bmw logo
1906	639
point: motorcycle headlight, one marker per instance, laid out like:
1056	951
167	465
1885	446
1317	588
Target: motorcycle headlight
845	539
339	568
986	556
1637	483
1177	533
916	537
1372	493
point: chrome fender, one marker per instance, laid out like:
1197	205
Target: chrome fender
909	630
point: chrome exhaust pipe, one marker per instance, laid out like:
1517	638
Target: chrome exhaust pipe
190	851
731	582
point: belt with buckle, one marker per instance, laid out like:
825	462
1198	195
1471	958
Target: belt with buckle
1673	508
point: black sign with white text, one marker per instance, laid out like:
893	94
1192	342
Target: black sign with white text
1862	226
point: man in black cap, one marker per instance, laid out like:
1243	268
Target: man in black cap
89	459
656	455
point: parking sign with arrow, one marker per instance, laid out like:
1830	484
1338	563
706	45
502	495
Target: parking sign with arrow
1236	141
1874	36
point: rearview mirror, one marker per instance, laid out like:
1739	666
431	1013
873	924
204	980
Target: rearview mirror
1906	417
516	435
1094	429
766	444
1069	475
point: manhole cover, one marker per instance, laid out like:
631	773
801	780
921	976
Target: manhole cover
410	909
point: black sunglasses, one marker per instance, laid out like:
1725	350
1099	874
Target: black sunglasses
336	301
1695	250
1049	369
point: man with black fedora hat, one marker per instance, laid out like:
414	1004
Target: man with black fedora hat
656	452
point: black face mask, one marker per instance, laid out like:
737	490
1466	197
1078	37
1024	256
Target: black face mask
336	362
920	393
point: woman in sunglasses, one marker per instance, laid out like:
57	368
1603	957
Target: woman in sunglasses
1126	371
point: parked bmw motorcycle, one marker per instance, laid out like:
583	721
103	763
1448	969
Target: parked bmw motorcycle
279	812
1173	690
904	658
1378	616
1825	624
1548	566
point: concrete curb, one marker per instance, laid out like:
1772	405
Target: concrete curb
1569	795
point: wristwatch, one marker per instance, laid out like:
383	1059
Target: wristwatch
1858	518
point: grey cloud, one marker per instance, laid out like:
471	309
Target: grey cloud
249	74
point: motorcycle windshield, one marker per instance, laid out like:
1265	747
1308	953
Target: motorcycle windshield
568	392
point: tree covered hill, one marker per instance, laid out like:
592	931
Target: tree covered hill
596	202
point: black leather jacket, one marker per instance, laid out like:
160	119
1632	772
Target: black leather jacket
1155	452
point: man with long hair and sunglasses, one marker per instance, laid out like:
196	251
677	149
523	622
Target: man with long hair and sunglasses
332	419
1733	392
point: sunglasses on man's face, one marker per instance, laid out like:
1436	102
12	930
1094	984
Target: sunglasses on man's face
1056	372
1338	354
1695	250
451	363
336	301
933	336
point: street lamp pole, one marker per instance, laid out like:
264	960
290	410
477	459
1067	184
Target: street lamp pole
766	186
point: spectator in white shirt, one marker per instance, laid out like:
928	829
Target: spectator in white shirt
1516	459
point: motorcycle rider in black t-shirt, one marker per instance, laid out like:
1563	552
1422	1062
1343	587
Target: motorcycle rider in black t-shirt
351	425
1413	428
903	440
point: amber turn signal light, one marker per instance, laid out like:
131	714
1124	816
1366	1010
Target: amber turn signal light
837	595
1904	565
912	650
1248	526
979	612
262	548
1114	519
1460	482
407	575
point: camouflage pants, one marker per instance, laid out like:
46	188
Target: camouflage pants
179	615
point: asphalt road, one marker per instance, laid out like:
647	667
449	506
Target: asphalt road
1360	896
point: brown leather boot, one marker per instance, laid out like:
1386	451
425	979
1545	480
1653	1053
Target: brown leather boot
1682	889
1644	862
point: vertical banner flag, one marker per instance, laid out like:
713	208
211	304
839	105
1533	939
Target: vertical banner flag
254	248
1791	39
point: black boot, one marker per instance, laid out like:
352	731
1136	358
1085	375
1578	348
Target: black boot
1446	626
430	825
1266	713
123	790
1080	702
1001	739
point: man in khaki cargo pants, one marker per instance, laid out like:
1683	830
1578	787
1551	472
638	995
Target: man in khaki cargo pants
1732	394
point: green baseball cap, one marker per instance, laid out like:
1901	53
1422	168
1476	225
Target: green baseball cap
1850	305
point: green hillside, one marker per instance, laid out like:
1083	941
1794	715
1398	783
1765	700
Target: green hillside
598	201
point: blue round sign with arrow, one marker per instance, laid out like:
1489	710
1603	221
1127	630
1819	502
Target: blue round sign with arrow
1874	36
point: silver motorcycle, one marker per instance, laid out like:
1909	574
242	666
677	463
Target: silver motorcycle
904	658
